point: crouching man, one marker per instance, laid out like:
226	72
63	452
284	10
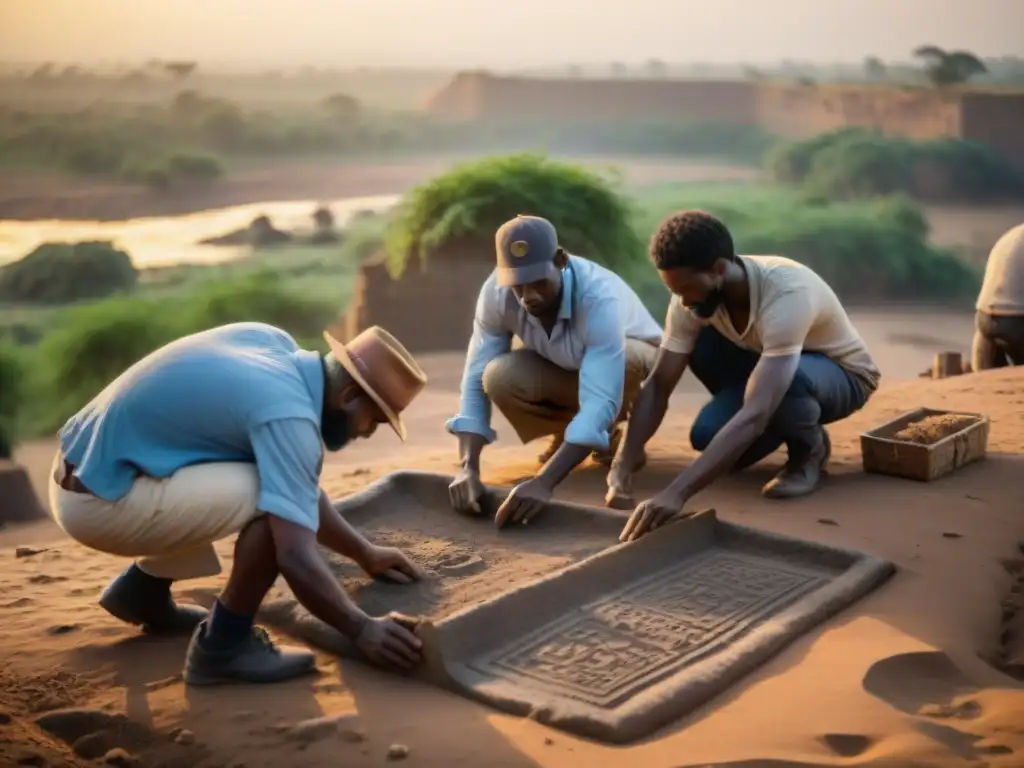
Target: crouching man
773	345
587	344
223	432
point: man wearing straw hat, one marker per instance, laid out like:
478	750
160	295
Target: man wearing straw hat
223	432
587	344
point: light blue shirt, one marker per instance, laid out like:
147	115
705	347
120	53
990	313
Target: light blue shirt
599	311
239	393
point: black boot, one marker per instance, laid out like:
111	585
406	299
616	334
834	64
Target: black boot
137	598
802	474
254	659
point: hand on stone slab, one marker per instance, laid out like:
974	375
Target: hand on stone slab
652	514
466	491
523	502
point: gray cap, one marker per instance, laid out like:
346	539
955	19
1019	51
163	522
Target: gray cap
526	245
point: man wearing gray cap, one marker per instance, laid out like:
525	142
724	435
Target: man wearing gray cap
587	344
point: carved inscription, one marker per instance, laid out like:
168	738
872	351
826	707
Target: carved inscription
612	648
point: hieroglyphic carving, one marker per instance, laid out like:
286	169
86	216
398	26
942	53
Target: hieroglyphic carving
615	646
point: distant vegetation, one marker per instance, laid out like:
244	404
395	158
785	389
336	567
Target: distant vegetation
857	163
58	273
193	136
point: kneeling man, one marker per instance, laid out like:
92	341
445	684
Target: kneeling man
770	340
588	343
223	432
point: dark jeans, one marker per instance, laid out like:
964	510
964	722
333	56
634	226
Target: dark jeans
998	341
821	392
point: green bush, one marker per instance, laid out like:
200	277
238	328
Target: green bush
474	199
857	163
57	273
259	298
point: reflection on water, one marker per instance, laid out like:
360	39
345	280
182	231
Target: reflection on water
167	240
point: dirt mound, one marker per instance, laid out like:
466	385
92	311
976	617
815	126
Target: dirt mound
19	503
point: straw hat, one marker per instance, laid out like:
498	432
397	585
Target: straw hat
382	368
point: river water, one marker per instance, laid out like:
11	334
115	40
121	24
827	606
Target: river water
169	240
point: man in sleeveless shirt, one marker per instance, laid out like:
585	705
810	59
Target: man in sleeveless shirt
999	321
770	341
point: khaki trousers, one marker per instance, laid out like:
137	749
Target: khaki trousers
169	524
539	398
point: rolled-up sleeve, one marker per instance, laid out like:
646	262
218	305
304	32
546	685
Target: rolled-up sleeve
489	340
602	376
289	456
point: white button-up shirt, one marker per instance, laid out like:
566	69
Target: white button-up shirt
599	311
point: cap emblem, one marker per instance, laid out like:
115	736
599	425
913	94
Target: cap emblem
520	248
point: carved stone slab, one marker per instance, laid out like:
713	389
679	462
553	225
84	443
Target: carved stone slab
626	641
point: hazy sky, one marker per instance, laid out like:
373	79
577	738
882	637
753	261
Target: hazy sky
500	33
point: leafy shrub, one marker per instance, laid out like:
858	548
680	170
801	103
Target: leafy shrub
63	272
855	163
474	199
259	298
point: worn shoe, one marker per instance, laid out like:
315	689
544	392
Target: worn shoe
156	612
254	660
801	478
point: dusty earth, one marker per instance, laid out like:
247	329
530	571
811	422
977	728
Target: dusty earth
907	676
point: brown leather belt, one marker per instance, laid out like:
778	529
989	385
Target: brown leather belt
67	480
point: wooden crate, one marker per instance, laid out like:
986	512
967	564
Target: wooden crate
883	454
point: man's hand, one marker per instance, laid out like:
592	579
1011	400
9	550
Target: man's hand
392	564
390	642
620	488
465	491
652	514
523	502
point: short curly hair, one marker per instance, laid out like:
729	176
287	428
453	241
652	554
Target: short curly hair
692	239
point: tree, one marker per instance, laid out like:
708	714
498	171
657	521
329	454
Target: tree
342	106
180	70
875	68
618	69
949	67
656	68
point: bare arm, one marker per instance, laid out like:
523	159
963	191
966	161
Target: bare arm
766	387
337	535
650	406
471	445
315	587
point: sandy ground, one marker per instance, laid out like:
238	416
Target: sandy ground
899	679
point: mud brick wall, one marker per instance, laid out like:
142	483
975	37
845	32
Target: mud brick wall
805	110
995	119
485	97
429	308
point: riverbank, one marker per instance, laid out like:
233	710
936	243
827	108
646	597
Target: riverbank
28	196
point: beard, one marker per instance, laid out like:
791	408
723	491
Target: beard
712	302
335	429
